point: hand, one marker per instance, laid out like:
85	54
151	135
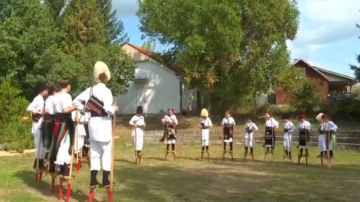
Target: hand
115	106
38	112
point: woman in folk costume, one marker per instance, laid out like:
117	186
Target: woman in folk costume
330	129
138	122
250	127
170	122
205	124
36	107
228	124
289	129
304	135
99	102
270	125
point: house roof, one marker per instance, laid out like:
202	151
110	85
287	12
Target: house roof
155	56
310	66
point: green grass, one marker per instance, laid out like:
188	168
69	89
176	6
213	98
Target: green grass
188	179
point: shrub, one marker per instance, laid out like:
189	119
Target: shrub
15	134
306	96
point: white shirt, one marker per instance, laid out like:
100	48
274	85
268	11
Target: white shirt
229	120
207	122
252	126
305	125
330	126
271	122
82	117
37	105
100	128
61	101
289	126
49	104
170	119
139	121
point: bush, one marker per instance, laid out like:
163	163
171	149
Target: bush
306	97
346	108
15	134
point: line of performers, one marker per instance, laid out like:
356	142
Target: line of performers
64	129
326	136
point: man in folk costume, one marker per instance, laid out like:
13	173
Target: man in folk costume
138	122
289	129
86	147
330	129
228	124
270	125
36	107
250	127
304	136
99	102
205	124
170	122
49	120
64	136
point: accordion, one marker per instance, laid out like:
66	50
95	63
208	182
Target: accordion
95	106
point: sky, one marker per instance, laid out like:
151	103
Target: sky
327	35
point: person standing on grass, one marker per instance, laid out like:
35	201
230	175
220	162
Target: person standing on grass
170	122
304	135
270	125
250	127
36	107
99	102
289	129
321	138
228	124
330	129
138	122
205	124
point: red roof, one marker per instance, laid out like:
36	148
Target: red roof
153	55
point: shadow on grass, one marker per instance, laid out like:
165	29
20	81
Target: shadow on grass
162	184
44	187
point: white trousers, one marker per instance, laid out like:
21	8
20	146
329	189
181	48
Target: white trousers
79	141
322	143
100	154
249	139
287	141
205	133
39	149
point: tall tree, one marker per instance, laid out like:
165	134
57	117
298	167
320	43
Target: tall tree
356	68
217	43
150	45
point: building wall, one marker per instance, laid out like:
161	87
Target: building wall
162	91
285	98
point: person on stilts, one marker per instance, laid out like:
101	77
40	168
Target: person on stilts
82	118
304	138
250	127
170	122
228	124
37	108
330	129
138	122
289	129
64	137
99	102
321	138
205	124
270	125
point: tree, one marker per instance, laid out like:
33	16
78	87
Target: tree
150	45
356	68
225	48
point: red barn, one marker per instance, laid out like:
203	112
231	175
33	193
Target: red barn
329	81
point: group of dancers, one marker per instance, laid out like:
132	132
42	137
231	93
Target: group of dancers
64	129
326	135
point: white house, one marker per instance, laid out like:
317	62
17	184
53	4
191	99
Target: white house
155	87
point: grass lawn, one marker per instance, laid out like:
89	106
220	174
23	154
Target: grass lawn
188	179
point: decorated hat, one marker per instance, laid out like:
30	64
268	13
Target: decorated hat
101	68
319	116
204	113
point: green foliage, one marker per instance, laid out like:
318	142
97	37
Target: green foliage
217	43
342	108
306	96
355	92
356	68
150	45
15	134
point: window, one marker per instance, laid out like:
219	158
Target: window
302	73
